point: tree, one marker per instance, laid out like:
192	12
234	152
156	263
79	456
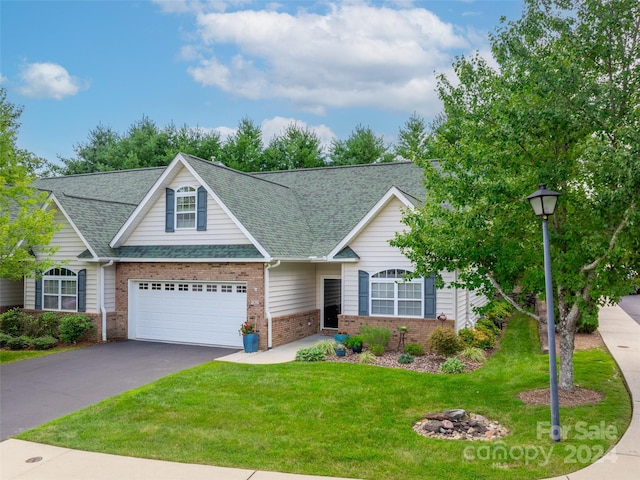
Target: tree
144	145
362	146
297	147
23	223
412	139
563	109
243	150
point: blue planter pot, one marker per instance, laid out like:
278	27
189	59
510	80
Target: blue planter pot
250	342
341	337
341	353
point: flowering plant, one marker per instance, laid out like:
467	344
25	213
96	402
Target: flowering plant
247	328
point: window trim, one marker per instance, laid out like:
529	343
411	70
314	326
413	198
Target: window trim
394	276
58	276
181	193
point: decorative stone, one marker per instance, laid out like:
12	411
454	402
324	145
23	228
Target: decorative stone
455	414
432	426
447	424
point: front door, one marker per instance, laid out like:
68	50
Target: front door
332	294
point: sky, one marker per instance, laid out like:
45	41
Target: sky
326	65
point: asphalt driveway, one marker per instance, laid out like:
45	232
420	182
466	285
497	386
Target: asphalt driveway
631	305
35	391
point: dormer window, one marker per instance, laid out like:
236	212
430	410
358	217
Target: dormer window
185	208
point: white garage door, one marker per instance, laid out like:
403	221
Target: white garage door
208	313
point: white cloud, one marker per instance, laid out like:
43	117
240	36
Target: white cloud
2	79
352	55
48	80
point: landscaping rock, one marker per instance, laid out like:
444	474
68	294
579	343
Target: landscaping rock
455	414
467	426
432	426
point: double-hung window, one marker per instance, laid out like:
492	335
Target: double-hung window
186	207
60	290
392	295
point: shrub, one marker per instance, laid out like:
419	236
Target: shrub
73	327
489	325
13	322
367	357
414	349
311	354
588	322
4	339
405	358
48	323
19	343
327	346
473	354
452	365
354	342
466	336
377	350
44	343
445	342
497	310
375	335
483	338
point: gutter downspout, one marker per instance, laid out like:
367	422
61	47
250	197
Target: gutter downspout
267	311
103	309
455	301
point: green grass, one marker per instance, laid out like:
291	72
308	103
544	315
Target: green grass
352	420
8	356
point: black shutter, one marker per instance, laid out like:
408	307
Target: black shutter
170	210
201	222
38	304
430	297
82	291
363	293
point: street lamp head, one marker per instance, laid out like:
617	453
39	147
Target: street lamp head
543	201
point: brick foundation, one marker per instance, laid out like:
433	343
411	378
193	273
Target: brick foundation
289	328
419	328
251	273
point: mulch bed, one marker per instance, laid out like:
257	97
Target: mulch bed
566	398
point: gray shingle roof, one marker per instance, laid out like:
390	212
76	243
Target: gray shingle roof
292	214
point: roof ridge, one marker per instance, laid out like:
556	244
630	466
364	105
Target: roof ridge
334	167
240	172
102	173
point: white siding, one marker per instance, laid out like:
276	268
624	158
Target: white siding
446	297
70	245
372	245
221	230
110	288
11	293
292	288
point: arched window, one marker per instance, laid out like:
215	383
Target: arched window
392	295
60	290
186	207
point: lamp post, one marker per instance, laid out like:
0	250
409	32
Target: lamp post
543	202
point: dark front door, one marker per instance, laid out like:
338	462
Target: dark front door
332	302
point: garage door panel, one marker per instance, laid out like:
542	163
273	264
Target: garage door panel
205	313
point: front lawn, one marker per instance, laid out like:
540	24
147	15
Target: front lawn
351	420
8	356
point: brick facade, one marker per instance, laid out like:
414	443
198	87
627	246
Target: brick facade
289	328
251	273
419	328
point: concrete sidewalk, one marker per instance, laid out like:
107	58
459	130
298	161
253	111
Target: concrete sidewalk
619	331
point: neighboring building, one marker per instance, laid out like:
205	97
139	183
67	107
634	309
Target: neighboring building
187	252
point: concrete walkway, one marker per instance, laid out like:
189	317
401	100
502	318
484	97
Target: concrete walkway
21	460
